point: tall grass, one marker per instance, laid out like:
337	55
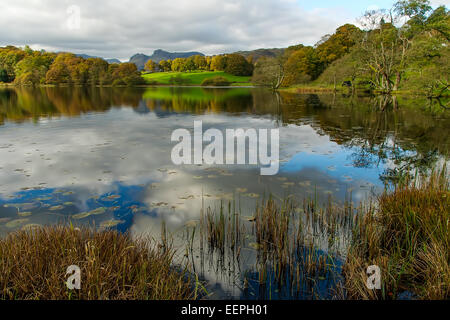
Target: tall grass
33	265
407	235
297	246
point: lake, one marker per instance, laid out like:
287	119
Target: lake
102	156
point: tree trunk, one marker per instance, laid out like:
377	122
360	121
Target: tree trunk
398	78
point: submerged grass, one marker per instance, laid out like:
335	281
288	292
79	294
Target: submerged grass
407	236
297	247
33	265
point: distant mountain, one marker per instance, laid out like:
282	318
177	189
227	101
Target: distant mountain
140	59
85	56
259	53
110	61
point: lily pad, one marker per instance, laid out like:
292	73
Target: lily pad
110	223
81	215
56	208
252	195
16	223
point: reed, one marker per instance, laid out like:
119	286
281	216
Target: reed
407	235
33	265
286	237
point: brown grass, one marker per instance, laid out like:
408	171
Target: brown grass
33	265
408	237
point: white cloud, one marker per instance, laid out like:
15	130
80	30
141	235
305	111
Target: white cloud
121	28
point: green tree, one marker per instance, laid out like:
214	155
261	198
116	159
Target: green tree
237	65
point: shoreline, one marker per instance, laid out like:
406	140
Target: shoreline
294	90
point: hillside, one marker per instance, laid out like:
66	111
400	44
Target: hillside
194	78
86	56
260	53
140	59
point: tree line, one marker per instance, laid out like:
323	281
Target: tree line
234	64
30	67
405	47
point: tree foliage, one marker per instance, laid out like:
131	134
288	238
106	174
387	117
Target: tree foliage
28	67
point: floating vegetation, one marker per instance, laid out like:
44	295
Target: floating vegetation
98	211
16	223
241	190
159	204
43	198
110	223
24	214
252	195
83	215
189	197
197	177
112	197
56	208
305	183
31	226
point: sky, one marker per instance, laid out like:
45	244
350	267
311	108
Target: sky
121	28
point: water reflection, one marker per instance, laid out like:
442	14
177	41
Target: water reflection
102	155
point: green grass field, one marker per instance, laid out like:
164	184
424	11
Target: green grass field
194	77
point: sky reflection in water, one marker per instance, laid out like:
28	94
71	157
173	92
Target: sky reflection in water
103	156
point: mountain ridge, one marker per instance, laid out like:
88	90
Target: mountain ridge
139	59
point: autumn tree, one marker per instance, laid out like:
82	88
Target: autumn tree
302	66
151	66
32	69
218	63
339	44
165	65
269	72
178	65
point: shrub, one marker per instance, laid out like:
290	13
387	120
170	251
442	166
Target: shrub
216	82
33	265
179	80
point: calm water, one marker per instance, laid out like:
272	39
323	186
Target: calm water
102	156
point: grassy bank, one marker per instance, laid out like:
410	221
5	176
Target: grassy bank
192	78
33	265
407	236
